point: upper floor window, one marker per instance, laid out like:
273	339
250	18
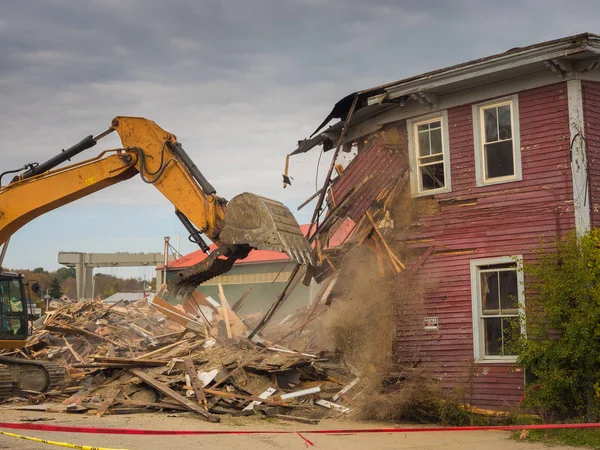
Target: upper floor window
497	146
428	141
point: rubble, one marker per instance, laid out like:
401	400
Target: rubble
128	358
202	357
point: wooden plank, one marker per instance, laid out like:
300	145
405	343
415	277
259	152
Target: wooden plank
191	370
109	401
162	349
73	352
397	263
242	300
159	405
68	329
225	309
249	398
140	361
107	365
182	318
181	400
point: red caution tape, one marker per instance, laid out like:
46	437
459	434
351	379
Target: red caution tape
96	430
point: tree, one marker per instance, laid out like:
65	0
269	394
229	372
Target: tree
55	291
561	349
39	270
65	272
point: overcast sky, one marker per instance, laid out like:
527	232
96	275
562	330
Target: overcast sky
239	83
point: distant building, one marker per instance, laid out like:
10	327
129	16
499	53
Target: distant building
125	296
267	271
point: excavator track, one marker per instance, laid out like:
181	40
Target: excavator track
6	384
40	376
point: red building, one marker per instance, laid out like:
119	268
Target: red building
503	151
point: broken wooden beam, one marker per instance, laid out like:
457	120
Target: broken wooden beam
195	381
109	401
181	400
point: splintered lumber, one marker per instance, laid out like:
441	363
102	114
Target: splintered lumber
109	401
181	400
242	300
68	329
244	397
257	355
73	352
176	315
225	309
162	349
395	261
195	382
115	362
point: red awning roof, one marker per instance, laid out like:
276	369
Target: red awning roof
258	256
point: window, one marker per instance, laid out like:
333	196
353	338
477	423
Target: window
428	141
497	305
13	318
496	130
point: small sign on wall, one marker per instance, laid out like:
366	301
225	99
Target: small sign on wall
431	323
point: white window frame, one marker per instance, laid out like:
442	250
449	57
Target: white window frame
478	134
415	175
478	337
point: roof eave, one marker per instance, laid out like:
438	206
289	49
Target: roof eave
480	69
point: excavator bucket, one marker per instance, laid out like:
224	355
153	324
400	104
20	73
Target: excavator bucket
250	222
264	224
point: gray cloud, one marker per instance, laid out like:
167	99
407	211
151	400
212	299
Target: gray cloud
238	82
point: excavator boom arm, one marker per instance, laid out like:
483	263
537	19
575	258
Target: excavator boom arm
247	221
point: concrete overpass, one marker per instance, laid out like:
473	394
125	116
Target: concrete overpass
84	264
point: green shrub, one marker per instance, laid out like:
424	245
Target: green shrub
561	349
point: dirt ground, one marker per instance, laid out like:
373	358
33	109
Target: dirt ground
498	440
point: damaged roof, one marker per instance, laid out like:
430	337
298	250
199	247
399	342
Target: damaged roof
574	53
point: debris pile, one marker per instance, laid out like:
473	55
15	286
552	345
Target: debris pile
153	356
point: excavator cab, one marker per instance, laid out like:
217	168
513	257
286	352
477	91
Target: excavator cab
13	310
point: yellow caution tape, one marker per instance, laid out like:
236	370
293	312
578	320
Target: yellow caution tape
59	444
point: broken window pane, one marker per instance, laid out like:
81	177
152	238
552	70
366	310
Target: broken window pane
436	141
432	177
424	147
493	335
509	291
490	119
489	293
504	122
499	159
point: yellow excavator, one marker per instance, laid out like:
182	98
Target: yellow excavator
237	226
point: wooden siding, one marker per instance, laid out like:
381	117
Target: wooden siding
591	116
377	159
484	222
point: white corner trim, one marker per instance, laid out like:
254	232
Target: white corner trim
478	344
581	195
516	131
414	176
